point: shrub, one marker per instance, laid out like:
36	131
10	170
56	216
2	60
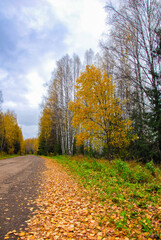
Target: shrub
96	166
123	170
150	166
140	175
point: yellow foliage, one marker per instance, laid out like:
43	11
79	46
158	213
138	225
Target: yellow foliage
46	122
31	145
13	134
97	112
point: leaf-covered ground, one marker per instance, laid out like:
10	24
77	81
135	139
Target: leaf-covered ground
67	210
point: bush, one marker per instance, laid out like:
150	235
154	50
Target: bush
123	170
150	166
96	166
140	175
135	175
86	165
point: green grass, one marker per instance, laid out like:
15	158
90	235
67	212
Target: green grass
7	156
133	190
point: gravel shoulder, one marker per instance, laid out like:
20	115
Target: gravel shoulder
20	181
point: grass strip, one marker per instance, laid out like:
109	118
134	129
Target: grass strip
8	156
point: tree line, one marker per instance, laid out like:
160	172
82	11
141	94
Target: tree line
11	138
130	56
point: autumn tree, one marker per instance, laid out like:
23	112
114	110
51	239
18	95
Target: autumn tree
56	129
65	84
97	113
2	132
31	145
1	100
13	138
47	141
1	125
134	44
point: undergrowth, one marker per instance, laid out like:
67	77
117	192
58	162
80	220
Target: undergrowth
132	190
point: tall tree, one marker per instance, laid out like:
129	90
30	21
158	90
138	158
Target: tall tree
60	93
1	100
64	83
2	132
89	57
97	112
135	46
13	138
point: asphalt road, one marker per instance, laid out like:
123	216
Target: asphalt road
20	180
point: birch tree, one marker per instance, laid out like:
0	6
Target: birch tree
135	46
61	92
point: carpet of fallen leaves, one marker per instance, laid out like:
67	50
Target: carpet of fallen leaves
68	211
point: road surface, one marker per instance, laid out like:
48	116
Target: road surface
20	180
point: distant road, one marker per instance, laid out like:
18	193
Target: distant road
20	179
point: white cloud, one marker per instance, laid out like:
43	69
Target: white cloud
49	67
9	105
29	131
3	74
37	79
85	20
35	88
92	18
36	18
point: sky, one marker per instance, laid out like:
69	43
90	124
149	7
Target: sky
34	34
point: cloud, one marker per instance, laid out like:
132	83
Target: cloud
30	131
28	30
85	20
28	117
34	35
35	88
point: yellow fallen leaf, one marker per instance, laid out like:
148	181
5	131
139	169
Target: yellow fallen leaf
99	237
71	227
21	234
98	227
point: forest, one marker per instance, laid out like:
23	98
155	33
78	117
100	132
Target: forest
109	104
